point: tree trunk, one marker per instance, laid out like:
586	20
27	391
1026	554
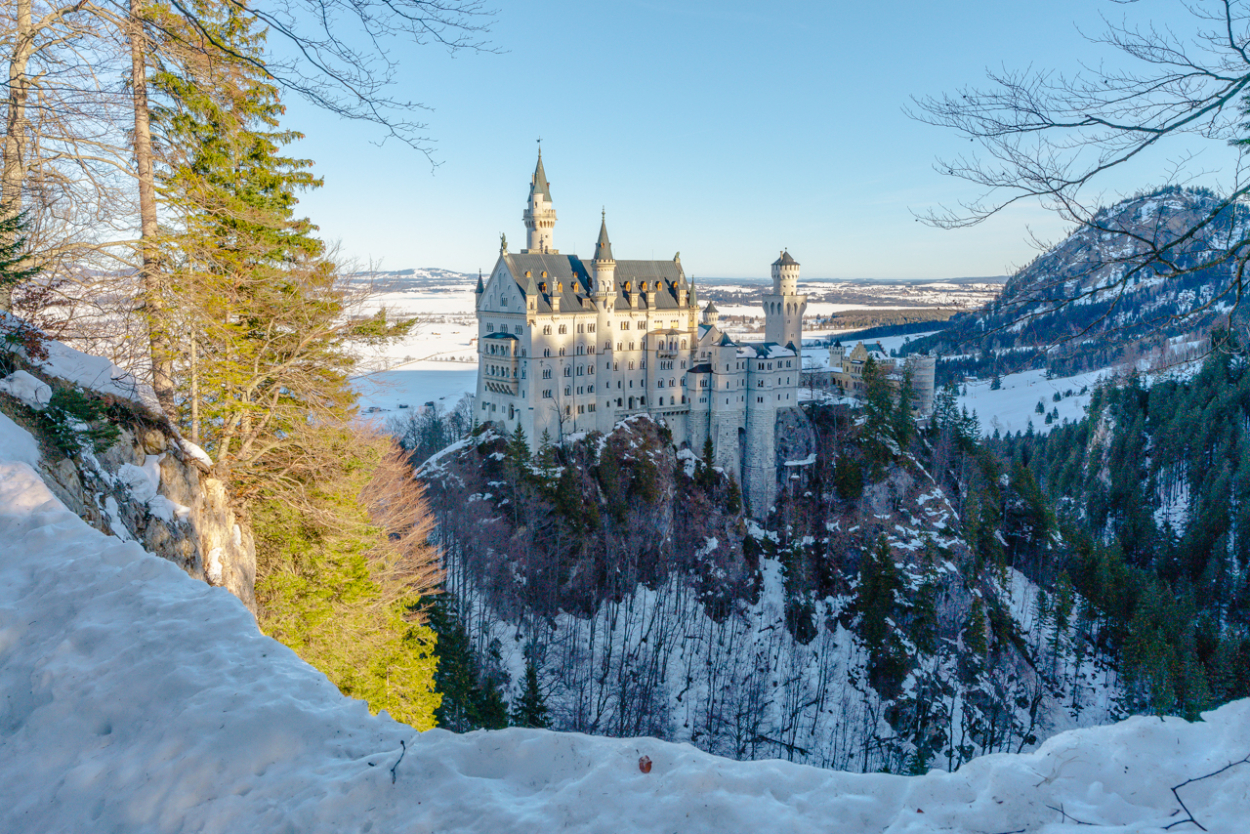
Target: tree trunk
15	127
151	280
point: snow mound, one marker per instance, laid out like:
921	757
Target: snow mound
137	699
28	389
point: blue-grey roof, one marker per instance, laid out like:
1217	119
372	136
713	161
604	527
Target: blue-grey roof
538	183
785	259
571	276
603	248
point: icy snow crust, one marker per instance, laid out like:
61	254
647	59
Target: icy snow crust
137	699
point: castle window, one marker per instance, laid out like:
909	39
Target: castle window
581	328
683	364
581	409
561	351
624	325
590	389
490	328
643	364
564	328
631	345
581	349
659	383
590	369
590	407
528	274
517	330
546	330
607	345
547	394
568	390
590	349
544	273
590	328
580	370
631	366
542	287
546	373
568	370
503	301
546	351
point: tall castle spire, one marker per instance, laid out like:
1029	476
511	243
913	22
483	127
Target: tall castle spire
603	264
540	214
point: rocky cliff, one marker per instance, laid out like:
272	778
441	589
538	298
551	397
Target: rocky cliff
112	456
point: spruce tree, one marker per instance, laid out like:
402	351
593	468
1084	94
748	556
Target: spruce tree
530	709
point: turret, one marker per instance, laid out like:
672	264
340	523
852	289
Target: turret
481	288
540	214
785	275
604	265
783	310
711	315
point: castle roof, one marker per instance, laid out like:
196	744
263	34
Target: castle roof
603	248
538	183
767	350
710	308
571	276
785	259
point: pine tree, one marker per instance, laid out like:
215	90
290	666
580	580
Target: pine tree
530	709
262	309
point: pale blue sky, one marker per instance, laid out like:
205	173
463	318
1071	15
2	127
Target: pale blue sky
725	130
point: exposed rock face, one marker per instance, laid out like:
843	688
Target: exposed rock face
149	486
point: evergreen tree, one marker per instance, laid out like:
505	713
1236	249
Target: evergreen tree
530	709
262	308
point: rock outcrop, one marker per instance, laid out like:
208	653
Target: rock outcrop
128	472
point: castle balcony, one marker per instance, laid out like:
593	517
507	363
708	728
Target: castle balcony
498	363
669	343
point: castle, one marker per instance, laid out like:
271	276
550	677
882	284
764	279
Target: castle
567	345
844	373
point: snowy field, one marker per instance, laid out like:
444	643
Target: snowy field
1014	406
140	700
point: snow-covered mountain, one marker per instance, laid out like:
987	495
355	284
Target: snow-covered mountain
1143	281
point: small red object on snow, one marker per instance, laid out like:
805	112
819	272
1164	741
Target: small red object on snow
644	764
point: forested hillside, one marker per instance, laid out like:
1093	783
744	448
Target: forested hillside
883	617
1098	298
1153	490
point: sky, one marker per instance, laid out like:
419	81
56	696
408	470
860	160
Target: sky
722	129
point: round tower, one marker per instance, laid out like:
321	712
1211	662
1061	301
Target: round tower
783	310
785	275
603	271
540	214
711	315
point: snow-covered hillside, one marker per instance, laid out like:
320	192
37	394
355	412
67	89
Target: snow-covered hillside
137	699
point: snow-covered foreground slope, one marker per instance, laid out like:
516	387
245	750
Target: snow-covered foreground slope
136	699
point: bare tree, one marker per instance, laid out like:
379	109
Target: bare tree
1053	138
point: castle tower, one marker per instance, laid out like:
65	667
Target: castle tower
540	214
783	310
603	271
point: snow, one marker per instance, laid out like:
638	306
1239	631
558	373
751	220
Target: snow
26	388
98	374
138	699
1012	407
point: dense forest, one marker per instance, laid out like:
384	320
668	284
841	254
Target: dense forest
1151	490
